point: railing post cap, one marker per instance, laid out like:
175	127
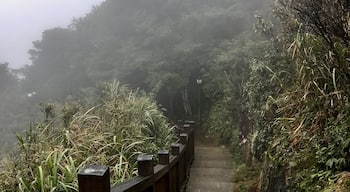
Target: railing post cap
95	170
190	122
175	145
163	152
145	158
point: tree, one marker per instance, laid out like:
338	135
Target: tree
325	18
7	78
141	43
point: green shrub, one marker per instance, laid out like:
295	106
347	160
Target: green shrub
113	132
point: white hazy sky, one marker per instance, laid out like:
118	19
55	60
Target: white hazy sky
23	21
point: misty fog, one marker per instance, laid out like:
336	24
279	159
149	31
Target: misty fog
25	21
140	43
105	80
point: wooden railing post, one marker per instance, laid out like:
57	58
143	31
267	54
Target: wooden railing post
183	138
175	171
94	178
145	165
164	183
145	168
164	157
185	128
191	136
175	149
184	160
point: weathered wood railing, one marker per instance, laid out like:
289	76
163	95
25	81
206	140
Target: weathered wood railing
169	175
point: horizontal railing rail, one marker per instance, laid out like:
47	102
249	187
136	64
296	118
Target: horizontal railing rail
170	174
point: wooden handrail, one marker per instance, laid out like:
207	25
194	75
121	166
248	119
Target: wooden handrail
169	175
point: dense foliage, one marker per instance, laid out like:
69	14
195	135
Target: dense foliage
158	46
302	110
278	92
120	126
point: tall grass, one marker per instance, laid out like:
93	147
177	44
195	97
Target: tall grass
113	132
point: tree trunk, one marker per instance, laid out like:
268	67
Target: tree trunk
272	179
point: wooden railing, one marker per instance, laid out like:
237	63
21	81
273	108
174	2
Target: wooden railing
169	175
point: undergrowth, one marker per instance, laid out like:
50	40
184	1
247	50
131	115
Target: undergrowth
112	132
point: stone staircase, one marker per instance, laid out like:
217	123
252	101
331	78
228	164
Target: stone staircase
211	170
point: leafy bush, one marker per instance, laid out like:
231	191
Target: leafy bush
308	136
112	133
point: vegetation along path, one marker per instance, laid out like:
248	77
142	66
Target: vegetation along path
211	170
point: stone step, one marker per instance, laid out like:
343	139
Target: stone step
207	157
212	164
213	173
213	149
213	186
212	155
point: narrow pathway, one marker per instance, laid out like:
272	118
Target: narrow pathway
211	170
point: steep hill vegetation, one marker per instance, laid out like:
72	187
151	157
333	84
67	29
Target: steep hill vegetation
158	46
307	138
121	125
275	82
